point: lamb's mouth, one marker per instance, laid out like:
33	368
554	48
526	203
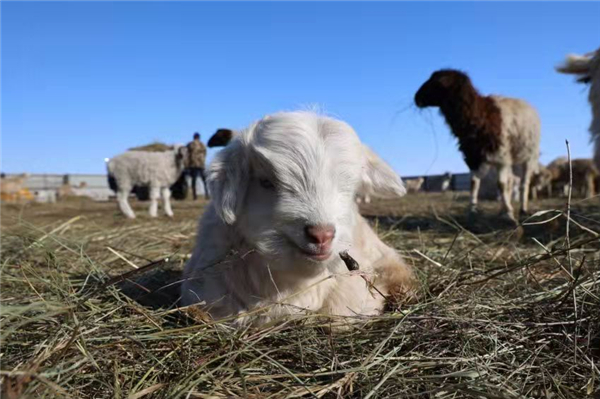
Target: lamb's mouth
320	255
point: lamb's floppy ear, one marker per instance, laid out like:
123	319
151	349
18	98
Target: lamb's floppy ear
378	178
228	176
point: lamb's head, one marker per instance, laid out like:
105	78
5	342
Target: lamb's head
442	87
287	185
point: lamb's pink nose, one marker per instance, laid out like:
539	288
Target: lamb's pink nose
320	234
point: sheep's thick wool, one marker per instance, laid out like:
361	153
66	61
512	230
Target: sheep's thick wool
158	170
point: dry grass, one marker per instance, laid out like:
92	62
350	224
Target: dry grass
503	312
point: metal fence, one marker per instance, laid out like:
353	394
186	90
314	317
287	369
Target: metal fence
94	186
433	183
97	185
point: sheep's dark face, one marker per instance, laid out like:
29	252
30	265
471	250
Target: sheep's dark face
441	87
221	138
287	186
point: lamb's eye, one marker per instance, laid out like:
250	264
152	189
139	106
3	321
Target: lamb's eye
266	184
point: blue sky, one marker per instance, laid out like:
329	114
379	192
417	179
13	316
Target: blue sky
82	81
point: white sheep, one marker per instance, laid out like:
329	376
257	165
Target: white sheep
446	182
588	69
414	185
282	209
491	130
158	170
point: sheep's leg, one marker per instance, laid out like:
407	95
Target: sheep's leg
589	185
534	193
154	196
122	195
516	188
475	183
504	185
166	197
525	185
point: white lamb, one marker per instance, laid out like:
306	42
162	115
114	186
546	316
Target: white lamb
283	208
158	170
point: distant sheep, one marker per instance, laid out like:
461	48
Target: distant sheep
45	196
221	138
541	181
446	182
414	185
282	209
491	130
584	173
158	170
587	67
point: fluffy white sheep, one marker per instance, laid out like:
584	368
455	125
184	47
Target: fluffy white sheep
283	208
491	130
158	170
587	67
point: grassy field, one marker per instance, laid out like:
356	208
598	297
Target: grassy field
503	312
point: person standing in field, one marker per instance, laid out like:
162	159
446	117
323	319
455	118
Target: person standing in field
197	158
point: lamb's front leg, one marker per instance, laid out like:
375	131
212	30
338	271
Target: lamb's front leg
154	196
166	197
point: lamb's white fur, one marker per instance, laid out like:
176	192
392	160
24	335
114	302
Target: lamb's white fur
158	170
366	189
251	248
588	69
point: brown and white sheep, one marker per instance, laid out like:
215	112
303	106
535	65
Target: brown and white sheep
587	67
584	175
491	130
